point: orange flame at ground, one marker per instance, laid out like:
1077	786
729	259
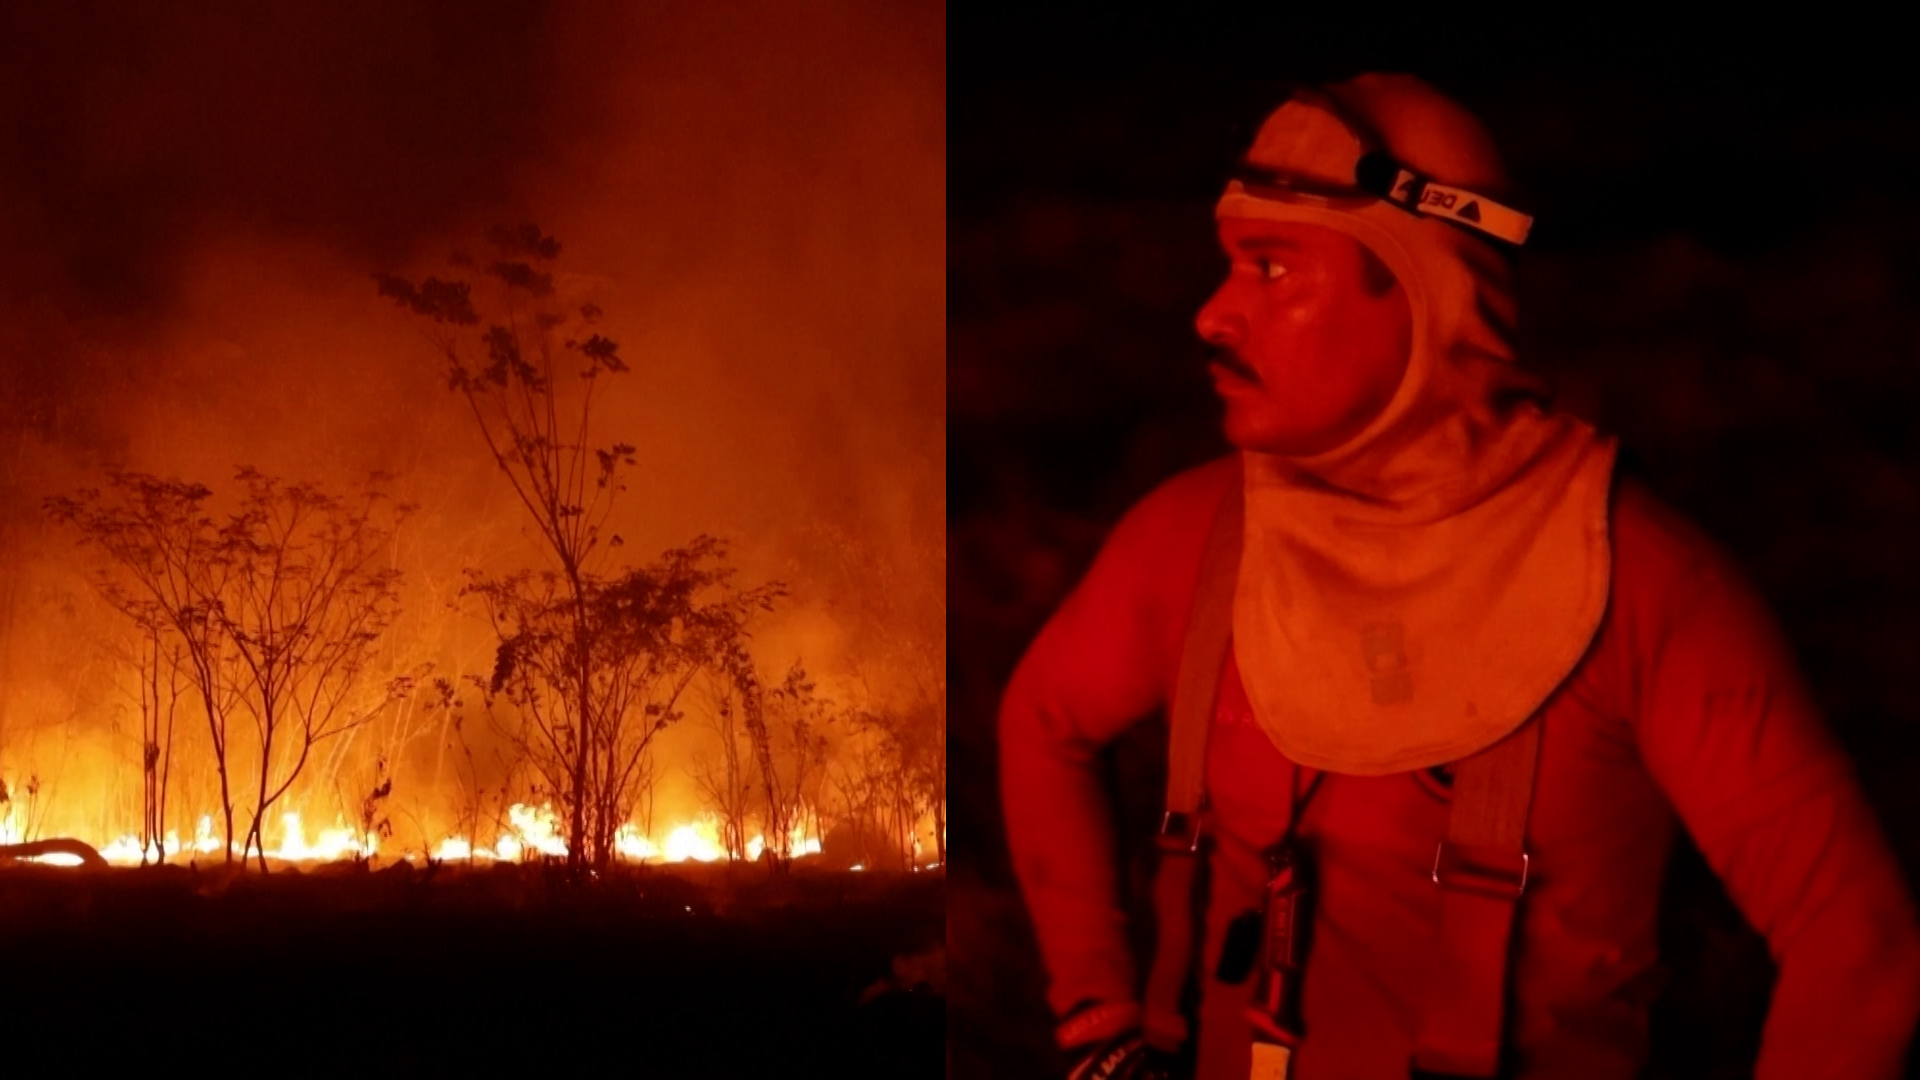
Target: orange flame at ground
530	832
535	831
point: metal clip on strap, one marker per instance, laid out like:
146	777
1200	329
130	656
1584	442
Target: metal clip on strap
1179	833
1495	872
1481	868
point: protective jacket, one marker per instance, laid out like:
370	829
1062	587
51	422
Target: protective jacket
1687	709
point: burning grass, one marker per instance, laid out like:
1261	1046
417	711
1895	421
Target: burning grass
531	835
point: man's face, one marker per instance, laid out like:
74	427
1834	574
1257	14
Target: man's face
1311	334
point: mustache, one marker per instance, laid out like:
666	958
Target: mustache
1227	358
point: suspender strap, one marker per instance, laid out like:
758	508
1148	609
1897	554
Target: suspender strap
1202	659
1481	868
1165	1026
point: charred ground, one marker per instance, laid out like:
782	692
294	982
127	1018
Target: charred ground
688	971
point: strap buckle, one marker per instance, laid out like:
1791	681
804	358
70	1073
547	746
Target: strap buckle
1179	833
1497	872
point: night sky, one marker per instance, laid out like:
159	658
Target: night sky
1725	273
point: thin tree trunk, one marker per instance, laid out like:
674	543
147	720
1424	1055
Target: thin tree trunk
577	832
260	800
226	797
166	761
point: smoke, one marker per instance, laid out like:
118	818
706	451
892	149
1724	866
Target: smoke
196	195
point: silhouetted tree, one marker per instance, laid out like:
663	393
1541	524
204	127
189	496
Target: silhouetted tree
897	620
725	782
795	719
278	610
592	658
166	568
646	634
156	660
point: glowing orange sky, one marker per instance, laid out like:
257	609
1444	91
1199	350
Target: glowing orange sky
198	195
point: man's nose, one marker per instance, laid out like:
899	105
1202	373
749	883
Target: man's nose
1219	323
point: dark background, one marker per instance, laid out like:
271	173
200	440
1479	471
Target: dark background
1725	273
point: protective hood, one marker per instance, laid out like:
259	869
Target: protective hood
1415	594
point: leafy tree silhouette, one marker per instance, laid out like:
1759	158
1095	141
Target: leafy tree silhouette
277	610
593	658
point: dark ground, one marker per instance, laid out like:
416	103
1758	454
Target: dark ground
1725	273
675	972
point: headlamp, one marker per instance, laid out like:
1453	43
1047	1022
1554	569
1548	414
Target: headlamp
1344	165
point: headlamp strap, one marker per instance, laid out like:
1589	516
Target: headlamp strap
1419	194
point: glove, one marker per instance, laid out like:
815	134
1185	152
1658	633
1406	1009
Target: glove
1123	1057
1103	1042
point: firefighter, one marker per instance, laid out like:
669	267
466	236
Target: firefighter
1442	684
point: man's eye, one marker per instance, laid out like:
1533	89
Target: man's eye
1270	270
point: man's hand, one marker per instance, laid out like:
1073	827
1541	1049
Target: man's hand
1123	1057
1103	1042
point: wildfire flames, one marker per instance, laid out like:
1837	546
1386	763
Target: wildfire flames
489	493
532	833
